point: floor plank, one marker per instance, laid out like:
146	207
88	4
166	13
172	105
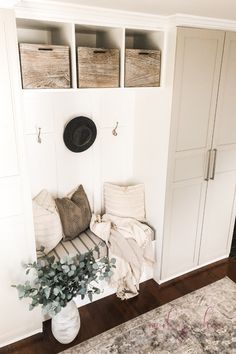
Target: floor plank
106	313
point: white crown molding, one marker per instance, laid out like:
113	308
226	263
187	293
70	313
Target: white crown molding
8	3
68	12
202	22
64	12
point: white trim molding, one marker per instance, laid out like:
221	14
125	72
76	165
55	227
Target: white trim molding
68	12
202	22
18	338
8	3
54	11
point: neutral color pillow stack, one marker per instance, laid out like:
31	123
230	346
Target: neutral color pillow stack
67	217
47	223
63	218
127	202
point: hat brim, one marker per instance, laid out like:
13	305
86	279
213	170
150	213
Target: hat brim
79	134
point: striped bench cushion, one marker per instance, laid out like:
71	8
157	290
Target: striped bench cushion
81	244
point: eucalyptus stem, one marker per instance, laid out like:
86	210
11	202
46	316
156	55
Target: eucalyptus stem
55	283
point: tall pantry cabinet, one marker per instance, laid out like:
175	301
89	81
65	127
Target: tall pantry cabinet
200	207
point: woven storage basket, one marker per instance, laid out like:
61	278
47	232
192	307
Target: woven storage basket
98	67
45	66
142	68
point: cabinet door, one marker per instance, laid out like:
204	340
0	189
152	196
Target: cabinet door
220	204
197	72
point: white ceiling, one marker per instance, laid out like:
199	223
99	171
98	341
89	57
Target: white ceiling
224	9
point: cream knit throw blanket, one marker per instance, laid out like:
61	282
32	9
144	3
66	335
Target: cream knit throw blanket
129	241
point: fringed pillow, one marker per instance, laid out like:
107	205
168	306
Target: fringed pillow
127	202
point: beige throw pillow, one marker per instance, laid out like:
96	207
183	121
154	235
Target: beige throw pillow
75	213
127	202
47	223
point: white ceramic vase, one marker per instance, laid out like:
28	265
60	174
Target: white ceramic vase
66	324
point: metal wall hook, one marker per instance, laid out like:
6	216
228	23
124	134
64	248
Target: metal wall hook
39	136
114	132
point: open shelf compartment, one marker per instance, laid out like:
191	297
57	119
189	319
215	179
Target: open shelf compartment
99	56
49	33
142	58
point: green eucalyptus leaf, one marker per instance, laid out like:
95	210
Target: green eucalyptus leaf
40	273
47	292
56	291
66	268
34	292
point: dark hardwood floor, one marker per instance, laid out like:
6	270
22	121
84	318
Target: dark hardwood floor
106	313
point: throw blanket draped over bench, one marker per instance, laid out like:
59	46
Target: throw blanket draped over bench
129	241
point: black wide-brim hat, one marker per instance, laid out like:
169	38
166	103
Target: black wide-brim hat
79	134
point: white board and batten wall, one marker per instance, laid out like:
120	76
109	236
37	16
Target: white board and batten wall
53	166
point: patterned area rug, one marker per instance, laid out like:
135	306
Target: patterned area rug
203	321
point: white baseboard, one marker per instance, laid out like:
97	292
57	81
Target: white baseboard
162	281
17	338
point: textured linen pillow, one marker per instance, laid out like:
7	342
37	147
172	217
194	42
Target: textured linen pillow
47	223
127	202
75	213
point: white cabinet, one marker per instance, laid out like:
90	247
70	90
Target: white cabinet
200	210
221	194
198	61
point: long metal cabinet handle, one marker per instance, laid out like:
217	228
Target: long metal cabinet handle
208	165
214	164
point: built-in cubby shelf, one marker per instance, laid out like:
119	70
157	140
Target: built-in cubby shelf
98	37
44	32
143	39
79	35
